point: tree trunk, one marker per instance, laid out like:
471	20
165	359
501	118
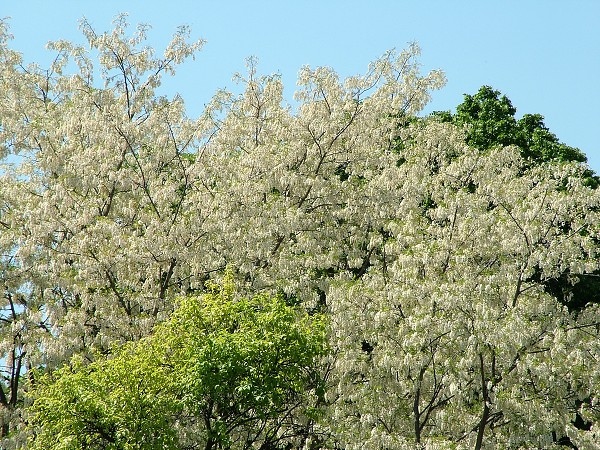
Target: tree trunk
485	415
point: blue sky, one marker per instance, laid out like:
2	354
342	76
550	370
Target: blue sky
543	54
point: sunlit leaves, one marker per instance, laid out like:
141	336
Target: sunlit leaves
222	371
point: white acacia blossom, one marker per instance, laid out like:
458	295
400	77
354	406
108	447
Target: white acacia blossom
429	256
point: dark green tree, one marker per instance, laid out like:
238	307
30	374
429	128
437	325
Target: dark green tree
490	119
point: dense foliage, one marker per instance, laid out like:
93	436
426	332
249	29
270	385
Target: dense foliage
491	122
443	256
222	372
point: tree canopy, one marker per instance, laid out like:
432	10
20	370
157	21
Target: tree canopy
223	371
491	122
442	253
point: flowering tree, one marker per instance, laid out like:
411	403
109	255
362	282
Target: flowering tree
86	175
465	346
433	259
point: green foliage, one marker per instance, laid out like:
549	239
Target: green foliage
492	118
124	402
242	362
491	122
238	369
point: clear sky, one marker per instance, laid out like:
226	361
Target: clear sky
543	54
